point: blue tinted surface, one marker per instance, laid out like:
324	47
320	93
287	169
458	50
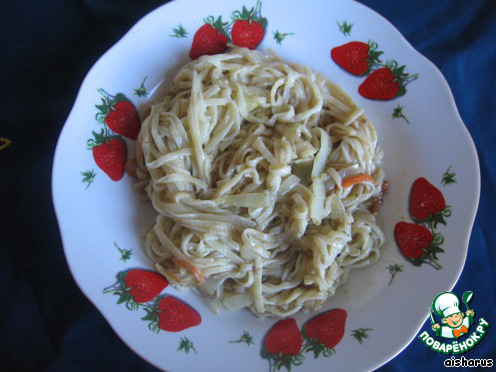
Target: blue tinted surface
47	49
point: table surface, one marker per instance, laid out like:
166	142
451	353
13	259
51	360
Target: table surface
47	49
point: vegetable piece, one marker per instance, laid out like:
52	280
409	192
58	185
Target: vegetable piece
248	200
199	275
321	158
130	167
377	200
317	201
238	301
304	172
356	179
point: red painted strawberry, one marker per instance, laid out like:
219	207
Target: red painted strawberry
417	243
171	315
357	57
386	83
109	153
119	114
144	285
209	39
249	27
282	345
325	331
427	203
137	286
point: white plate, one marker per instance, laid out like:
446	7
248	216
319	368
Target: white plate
95	220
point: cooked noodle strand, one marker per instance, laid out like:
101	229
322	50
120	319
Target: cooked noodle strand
248	162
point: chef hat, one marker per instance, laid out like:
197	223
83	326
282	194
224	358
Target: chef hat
446	304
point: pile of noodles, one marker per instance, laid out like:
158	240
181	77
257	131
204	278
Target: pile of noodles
244	159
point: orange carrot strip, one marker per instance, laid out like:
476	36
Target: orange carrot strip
353	180
199	275
357	178
130	167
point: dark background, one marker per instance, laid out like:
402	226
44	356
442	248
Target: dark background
47	48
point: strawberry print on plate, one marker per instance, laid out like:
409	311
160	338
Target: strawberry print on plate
285	346
137	286
246	29
119	114
211	38
419	242
109	153
282	345
356	57
140	288
384	81
249	26
324	332
120	119
170	314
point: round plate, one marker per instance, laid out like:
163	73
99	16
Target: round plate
102	220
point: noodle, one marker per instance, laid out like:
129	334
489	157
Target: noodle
243	160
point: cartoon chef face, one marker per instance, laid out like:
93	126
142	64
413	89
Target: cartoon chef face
447	306
453	320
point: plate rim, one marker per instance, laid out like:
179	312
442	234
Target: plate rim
452	107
